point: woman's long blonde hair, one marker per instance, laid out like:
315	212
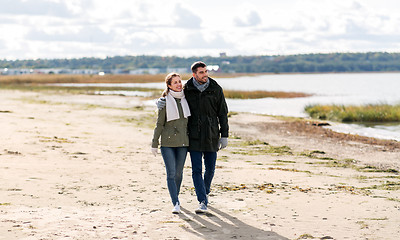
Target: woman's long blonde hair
168	80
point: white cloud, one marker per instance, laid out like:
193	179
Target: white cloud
67	28
185	18
205	41
34	7
92	34
251	19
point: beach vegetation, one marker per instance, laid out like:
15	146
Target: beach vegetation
314	154
90	90
79	153
326	158
388	185
36	79
85	106
143	120
330	162
262	94
397	177
284	161
36	101
14	189
311	163
54	139
235	137
350	189
86	203
363	177
394	199
230	114
345	163
280	150
369	168
239	152
377	219
253	143
170	221
138	108
223	158
262	150
289	170
372	113
226	188
259	147
362	224
305	236
12	152
268	188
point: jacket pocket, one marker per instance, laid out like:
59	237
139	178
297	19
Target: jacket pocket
212	128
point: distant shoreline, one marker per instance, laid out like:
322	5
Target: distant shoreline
227	75
135	78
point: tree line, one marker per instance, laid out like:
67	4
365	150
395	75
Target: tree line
329	62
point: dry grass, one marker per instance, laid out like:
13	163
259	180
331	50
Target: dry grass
60	78
365	113
262	94
36	81
122	78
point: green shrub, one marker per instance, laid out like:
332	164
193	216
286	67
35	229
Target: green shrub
365	113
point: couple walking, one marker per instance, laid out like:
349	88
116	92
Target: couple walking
195	119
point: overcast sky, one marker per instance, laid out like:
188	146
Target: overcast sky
31	29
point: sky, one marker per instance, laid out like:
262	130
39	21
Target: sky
32	29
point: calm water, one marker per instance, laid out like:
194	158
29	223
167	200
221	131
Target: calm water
327	89
352	88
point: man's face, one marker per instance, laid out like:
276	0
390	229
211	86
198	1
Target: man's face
201	75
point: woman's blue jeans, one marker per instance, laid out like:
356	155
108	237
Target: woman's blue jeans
174	159
202	186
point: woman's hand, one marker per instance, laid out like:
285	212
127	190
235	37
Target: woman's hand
154	151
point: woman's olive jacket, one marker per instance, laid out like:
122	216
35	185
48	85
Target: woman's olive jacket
173	133
209	116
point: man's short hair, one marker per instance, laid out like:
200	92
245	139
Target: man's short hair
196	65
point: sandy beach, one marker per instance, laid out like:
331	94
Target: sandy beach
80	167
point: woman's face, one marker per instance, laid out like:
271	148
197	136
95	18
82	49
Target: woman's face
176	84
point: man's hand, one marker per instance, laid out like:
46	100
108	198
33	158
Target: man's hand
223	142
161	102
154	151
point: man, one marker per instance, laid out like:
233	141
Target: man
207	126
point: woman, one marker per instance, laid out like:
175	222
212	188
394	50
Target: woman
172	127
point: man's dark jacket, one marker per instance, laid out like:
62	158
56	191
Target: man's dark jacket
209	116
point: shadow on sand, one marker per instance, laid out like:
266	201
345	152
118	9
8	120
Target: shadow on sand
219	225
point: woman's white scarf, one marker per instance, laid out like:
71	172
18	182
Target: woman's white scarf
172	107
